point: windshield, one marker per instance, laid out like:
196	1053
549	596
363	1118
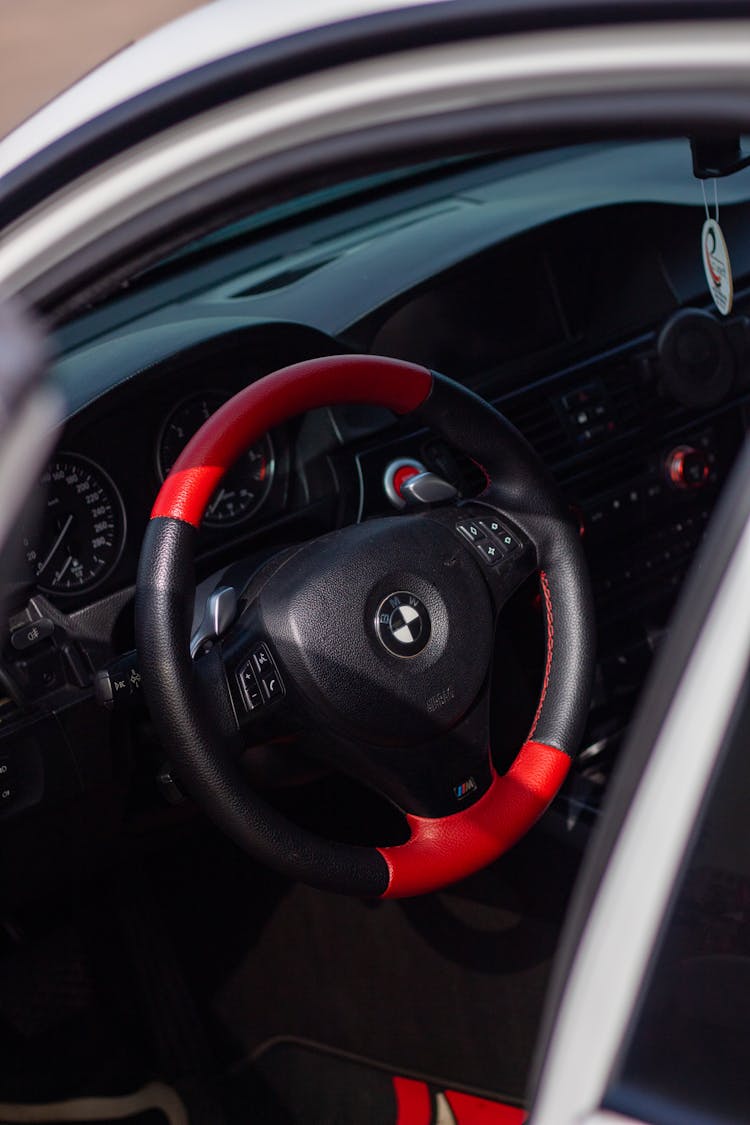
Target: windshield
331	255
311	202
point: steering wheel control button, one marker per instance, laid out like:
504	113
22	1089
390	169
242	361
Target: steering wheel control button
259	679
254	697
491	526
490	551
471	531
403	625
492	539
261	659
509	541
273	688
499	533
250	691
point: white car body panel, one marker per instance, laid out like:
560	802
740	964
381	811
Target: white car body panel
214	31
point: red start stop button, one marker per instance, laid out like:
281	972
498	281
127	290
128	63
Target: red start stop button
395	477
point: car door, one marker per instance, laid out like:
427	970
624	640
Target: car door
29	415
648	1018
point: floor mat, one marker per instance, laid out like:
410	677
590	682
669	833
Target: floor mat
309	1084
447	984
95	1017
68	1020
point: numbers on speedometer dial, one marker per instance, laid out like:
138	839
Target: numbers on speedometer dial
245	486
83	527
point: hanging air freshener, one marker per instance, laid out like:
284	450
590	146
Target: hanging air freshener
716	259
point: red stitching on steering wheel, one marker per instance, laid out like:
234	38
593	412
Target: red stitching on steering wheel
487	477
550	647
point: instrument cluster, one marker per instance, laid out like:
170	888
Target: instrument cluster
245	487
83	527
80	538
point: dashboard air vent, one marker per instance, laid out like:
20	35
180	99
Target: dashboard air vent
631	408
538	421
625	400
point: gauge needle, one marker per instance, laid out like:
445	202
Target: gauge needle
55	545
223	494
62	570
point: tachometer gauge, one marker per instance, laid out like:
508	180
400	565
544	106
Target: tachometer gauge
245	486
83	527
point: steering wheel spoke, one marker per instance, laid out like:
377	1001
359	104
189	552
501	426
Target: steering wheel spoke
435	778
505	555
450	774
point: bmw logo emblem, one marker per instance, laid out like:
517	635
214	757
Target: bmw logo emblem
402	624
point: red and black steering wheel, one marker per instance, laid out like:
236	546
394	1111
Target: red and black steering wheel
378	637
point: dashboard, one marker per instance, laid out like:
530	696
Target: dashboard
633	393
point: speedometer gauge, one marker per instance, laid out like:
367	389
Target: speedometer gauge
83	527
245	487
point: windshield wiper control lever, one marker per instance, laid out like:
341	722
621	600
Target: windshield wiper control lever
118	686
220	612
427	488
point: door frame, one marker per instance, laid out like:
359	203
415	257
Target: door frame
667	765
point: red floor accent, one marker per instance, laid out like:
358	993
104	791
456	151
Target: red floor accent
413	1102
469	1110
414	1106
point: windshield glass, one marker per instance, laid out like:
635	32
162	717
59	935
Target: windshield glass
332	254
307	203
